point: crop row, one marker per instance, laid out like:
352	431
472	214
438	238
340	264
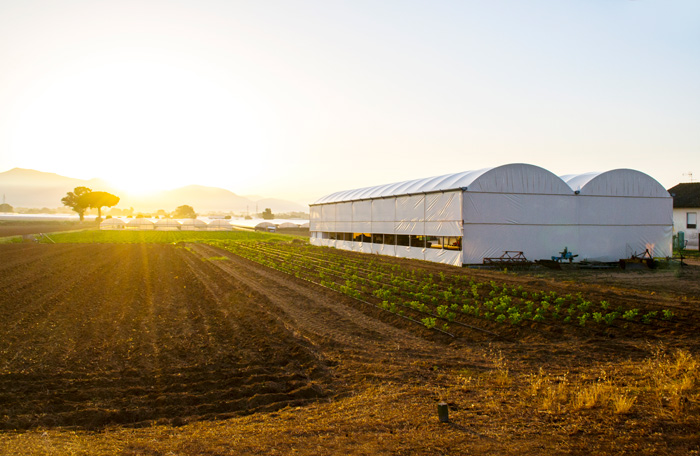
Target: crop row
443	299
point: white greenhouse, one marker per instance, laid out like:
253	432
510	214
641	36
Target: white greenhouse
219	225
465	217
264	226
168	225
193	225
140	224
112	224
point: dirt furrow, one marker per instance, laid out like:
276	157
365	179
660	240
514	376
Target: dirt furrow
140	338
327	318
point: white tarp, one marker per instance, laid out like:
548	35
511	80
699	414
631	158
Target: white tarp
452	257
535	241
410	208
383	215
362	211
384	210
343	212
620	213
343	227
410	215
315	218
441	207
518	208
443	214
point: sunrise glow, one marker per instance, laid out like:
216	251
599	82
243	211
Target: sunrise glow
304	99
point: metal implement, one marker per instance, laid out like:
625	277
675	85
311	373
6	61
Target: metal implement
564	255
638	261
509	257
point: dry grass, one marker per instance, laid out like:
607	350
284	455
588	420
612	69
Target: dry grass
622	403
666	384
636	407
672	380
592	395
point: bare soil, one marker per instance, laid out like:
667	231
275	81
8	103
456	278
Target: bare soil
162	349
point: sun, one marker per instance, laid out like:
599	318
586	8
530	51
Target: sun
143	125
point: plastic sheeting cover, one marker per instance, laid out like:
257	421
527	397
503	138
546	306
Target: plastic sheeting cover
617	182
516	177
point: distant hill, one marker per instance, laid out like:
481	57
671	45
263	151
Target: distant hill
205	199
37	189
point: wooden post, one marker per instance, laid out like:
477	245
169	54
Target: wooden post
443	412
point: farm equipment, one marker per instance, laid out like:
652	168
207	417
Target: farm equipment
564	255
509	257
638	261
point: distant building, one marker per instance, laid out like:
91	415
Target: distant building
686	207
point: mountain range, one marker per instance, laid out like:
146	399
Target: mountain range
29	188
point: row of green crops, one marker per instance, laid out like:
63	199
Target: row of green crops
441	298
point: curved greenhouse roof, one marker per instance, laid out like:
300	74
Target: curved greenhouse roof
193	222
112	222
263	225
168	222
511	178
140	222
219	222
617	182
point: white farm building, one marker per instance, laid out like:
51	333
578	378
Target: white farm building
465	217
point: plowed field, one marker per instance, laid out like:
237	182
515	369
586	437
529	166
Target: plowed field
210	353
126	334
94	335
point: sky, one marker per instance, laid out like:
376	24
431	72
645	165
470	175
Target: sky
299	99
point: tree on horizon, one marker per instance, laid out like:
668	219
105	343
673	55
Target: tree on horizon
184	211
82	198
75	200
98	200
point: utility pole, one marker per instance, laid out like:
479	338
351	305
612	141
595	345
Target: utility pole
690	176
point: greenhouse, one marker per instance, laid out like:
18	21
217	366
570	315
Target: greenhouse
167	225
140	224
193	225
112	224
219	225
465	217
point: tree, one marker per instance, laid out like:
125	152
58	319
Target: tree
98	200
75	200
184	211
4	207
267	214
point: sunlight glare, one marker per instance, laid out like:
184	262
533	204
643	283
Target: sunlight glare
139	124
